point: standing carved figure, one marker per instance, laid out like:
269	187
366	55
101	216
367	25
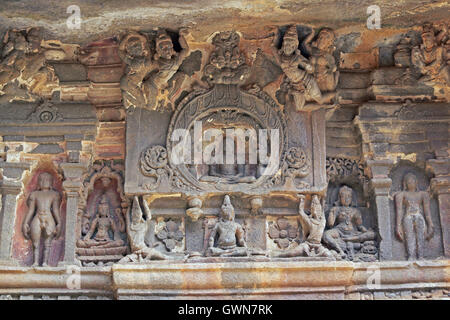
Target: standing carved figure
313	226
413	217
430	59
134	50
298	82
137	229
347	232
43	212
227	237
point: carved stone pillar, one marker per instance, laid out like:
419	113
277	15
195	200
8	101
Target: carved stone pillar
10	187
440	185
381	184
73	173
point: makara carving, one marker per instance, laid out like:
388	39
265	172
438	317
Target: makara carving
413	217
43	221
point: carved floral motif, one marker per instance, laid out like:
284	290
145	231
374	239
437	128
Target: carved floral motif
283	233
171	234
45	113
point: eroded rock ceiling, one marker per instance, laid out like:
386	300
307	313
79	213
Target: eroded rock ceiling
253	18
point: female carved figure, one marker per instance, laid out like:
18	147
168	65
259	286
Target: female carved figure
347	232
43	211
298	83
103	224
411	207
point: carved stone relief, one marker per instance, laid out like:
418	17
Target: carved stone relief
170	232
227	65
312	226
41	221
284	232
317	78
346	232
430	57
101	215
413	217
138	226
416	229
151	63
24	73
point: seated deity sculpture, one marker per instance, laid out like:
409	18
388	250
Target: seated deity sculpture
430	59
346	232
137	229
227	237
102	243
413	217
228	173
44	215
313	226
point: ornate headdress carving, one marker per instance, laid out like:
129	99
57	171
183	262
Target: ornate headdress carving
291	34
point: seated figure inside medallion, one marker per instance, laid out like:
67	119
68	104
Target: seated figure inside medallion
225	172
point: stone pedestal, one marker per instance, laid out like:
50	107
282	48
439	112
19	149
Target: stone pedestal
381	185
10	188
73	173
440	185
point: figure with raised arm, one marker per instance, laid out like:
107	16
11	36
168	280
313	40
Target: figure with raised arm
298	83
137	229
